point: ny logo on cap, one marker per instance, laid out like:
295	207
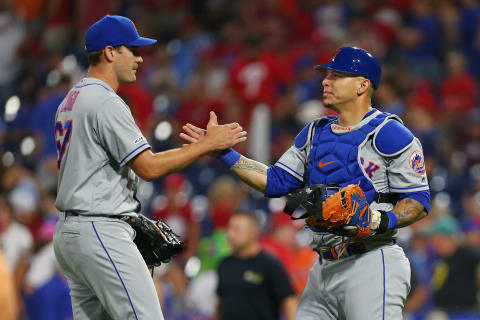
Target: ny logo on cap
334	55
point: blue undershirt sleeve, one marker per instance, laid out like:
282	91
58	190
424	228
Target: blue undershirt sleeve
421	196
280	182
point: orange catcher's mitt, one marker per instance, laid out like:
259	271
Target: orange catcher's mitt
345	213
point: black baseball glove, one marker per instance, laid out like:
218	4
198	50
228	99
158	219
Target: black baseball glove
155	240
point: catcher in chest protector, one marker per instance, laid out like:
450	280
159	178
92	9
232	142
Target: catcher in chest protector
102	244
358	177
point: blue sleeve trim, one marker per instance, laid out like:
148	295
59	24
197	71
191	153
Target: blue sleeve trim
92	84
280	182
421	196
287	167
409	188
392	138
131	152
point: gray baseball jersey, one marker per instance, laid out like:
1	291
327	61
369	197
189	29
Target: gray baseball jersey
371	279
388	173
96	136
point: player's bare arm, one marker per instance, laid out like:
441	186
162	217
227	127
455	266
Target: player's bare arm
408	211
149	165
251	172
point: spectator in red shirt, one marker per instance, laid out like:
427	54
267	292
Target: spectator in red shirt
257	75
140	102
225	197
458	89
176	210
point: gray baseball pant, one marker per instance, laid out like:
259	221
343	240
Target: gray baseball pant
107	276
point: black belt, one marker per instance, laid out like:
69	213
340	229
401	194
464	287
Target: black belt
352	249
386	198
332	254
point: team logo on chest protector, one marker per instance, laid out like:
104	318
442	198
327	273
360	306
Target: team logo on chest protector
417	163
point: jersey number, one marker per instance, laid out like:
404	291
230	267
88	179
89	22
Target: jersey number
63	132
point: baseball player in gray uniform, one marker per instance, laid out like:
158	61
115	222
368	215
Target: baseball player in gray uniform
354	278
101	154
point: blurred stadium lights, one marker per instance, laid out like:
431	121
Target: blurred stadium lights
11	108
69	64
304	236
174	47
475	171
159	202
438	183
200	207
27	146
276	204
53	78
163	131
8	159
192	267
459	159
206	176
145	190
442	200
161	103
476	197
262	217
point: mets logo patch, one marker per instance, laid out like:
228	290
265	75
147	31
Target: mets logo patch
417	163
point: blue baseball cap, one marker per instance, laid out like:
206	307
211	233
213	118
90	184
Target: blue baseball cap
354	60
114	31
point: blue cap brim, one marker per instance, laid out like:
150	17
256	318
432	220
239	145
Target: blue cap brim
141	42
322	67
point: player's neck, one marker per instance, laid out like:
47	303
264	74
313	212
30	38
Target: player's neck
248	251
106	75
350	115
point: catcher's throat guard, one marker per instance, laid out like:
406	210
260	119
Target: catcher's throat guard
310	199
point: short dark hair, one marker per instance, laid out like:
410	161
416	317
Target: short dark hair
94	56
250	216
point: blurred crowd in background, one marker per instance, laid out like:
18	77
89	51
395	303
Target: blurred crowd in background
251	62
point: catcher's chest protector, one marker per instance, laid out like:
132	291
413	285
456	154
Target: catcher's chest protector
333	158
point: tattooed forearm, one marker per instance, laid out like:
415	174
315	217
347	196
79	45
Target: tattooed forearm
250	165
408	211
252	173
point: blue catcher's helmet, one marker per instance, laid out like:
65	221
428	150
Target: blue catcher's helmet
354	60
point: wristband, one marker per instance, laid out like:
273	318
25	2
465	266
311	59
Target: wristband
229	157
388	221
392	220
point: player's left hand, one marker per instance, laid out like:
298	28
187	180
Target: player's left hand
192	133
346	212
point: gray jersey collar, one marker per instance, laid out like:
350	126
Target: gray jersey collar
338	129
